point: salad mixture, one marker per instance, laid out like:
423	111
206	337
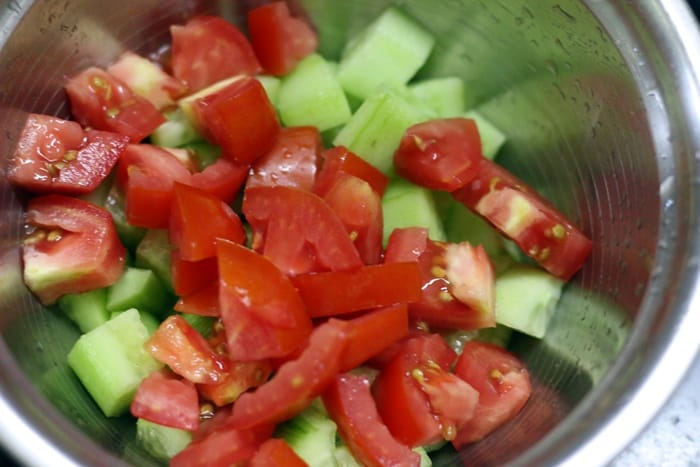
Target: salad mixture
278	259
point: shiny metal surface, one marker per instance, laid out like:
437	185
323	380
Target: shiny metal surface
600	102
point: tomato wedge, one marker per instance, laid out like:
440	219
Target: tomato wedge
280	40
101	101
203	301
340	160
298	231
223	179
191	276
338	292
275	452
296	383
440	154
208	49
57	156
350	404
71	246
165	399
241	377
522	215
260	308
503	384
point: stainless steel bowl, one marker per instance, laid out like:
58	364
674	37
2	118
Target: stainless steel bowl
600	101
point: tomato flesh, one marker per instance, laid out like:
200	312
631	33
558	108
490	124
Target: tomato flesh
275	452
191	276
340	160
167	400
223	179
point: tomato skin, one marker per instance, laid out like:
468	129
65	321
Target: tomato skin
190	276
296	383
338	292
260	308
440	154
167	400
177	344
503	384
298	231
223	179
203	301
101	101
147	174
241	377
208	49
349	403
340	160
523	216
280	41
56	156
359	208
197	219
241	119
292	161
275	452
72	247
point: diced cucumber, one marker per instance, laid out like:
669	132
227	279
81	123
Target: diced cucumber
147	319
311	434
205	153
407	205
322	104
87	310
425	460
176	131
375	130
162	442
202	324
128	234
137	288
111	361
271	84
445	96
153	252
388	51
498	335
491	137
526	298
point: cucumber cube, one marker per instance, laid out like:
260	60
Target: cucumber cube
176	131
271	84
407	205
388	51
153	252
375	130
87	310
111	361
526	298
162	442
312	95
129	235
491	137
311	434
137	288
444	96
147	319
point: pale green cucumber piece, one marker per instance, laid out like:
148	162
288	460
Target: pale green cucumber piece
202	324
153	252
491	137
526	298
390	50
204	153
111	361
312	95
147	319
375	130
498	335
312	435
176	131
160	441
445	96
87	310
407	205
137	288
129	235
271	84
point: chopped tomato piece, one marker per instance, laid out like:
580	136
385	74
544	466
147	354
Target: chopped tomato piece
190	276
292	161
457	280
503	384
101	101
298	231
197	219
147	175
241	119
57	156
280	40
262	312
223	179
204	301
339	292
71	246
340	160
177	344
275	452
522	215
241	377
296	383
208	49
165	399
359	208
440	154
350	404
